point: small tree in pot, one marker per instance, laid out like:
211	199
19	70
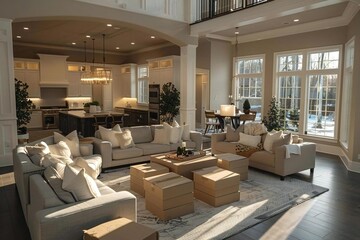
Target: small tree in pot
169	102
246	106
23	106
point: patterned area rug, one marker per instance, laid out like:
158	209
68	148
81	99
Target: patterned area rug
262	196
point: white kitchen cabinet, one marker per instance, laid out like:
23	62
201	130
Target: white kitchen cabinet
164	70
30	76
75	87
36	120
127	80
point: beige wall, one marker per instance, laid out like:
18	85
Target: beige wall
354	138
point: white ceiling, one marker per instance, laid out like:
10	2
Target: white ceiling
268	20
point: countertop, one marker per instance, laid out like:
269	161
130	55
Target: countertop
83	114
145	108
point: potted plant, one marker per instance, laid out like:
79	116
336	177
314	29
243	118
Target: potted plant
246	106
273	119
87	105
23	107
169	102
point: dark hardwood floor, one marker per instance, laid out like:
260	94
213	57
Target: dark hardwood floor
334	215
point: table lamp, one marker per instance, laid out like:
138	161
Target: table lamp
227	110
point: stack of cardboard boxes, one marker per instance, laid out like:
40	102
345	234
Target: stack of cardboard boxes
141	171
169	195
216	186
234	163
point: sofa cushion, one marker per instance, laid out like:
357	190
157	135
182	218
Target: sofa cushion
91	167
153	148
71	140
228	147
103	189
54	180
141	134
161	136
81	185
254	128
232	135
52	159
60	149
125	139
263	157
270	138
249	140
110	135
173	132
118	153
285	139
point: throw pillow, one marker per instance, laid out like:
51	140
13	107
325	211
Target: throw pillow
232	135
270	138
54	180
176	124
89	169
285	139
81	185
161	136
109	135
125	139
173	132
186	132
37	152
53	159
249	140
254	128
61	149
60	168
71	140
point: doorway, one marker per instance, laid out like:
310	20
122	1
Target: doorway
202	96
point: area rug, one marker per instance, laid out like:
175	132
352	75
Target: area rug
262	196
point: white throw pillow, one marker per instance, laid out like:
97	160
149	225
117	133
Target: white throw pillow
186	132
89	168
53	159
176	124
71	140
270	138
60	168
37	152
125	139
110	135
254	128
161	136
81	185
249	140
61	149
174	132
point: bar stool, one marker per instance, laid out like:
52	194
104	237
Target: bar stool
116	119
100	120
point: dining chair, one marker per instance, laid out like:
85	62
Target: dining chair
211	121
100	120
248	117
116	119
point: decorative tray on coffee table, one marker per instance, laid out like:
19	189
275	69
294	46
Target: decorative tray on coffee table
196	154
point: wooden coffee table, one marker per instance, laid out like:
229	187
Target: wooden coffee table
185	168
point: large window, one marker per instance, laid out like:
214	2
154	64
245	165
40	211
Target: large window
143	84
248	82
307	89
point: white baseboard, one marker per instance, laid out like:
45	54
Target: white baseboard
336	150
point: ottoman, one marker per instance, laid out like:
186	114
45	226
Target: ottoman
169	195
141	171
234	163
216	186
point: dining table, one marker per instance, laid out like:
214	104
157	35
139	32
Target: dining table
236	120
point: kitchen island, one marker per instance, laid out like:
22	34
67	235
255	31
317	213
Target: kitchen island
82	122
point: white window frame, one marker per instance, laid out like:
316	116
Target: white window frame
235	96
143	91
304	76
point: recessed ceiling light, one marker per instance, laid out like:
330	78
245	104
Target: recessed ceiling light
117	48
73	43
236	33
88	36
132	43
116	28
26	28
152	37
18	36
109	25
296	20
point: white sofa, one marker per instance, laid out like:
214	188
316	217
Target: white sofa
49	218
144	148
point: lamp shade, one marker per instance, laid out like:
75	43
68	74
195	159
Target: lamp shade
227	110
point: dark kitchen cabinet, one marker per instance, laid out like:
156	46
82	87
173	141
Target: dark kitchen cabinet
136	117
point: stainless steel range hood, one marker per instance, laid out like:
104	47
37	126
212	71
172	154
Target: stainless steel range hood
53	70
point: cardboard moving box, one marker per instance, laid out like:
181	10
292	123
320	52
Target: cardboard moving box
121	228
216	201
234	163
216	178
171	212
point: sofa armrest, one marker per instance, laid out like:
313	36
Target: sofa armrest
86	149
68	221
104	148
197	138
215	138
297	162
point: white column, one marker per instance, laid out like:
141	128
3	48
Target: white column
188	85
8	128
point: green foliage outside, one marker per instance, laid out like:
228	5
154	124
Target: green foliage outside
169	102
272	120
23	106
